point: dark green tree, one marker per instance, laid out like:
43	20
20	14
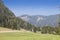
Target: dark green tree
47	29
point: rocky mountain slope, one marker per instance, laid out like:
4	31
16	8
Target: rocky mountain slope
39	20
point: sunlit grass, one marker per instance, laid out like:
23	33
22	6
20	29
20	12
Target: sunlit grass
28	36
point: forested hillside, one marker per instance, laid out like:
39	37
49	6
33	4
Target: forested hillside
9	20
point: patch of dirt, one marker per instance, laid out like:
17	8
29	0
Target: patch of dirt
4	30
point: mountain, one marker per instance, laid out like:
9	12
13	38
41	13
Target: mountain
39	20
6	15
9	20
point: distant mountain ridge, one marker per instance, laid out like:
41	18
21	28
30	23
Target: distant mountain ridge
39	20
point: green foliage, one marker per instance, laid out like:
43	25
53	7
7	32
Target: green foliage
38	28
58	30
47	29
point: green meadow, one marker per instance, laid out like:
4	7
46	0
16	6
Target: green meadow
27	36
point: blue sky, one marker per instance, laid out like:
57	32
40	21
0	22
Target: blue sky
33	7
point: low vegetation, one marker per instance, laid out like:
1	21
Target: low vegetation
28	36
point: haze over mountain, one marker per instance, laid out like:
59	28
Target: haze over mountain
40	20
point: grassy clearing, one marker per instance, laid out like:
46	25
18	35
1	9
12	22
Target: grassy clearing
27	36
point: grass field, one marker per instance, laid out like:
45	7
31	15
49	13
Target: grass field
27	36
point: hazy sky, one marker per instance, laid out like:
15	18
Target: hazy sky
33	7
